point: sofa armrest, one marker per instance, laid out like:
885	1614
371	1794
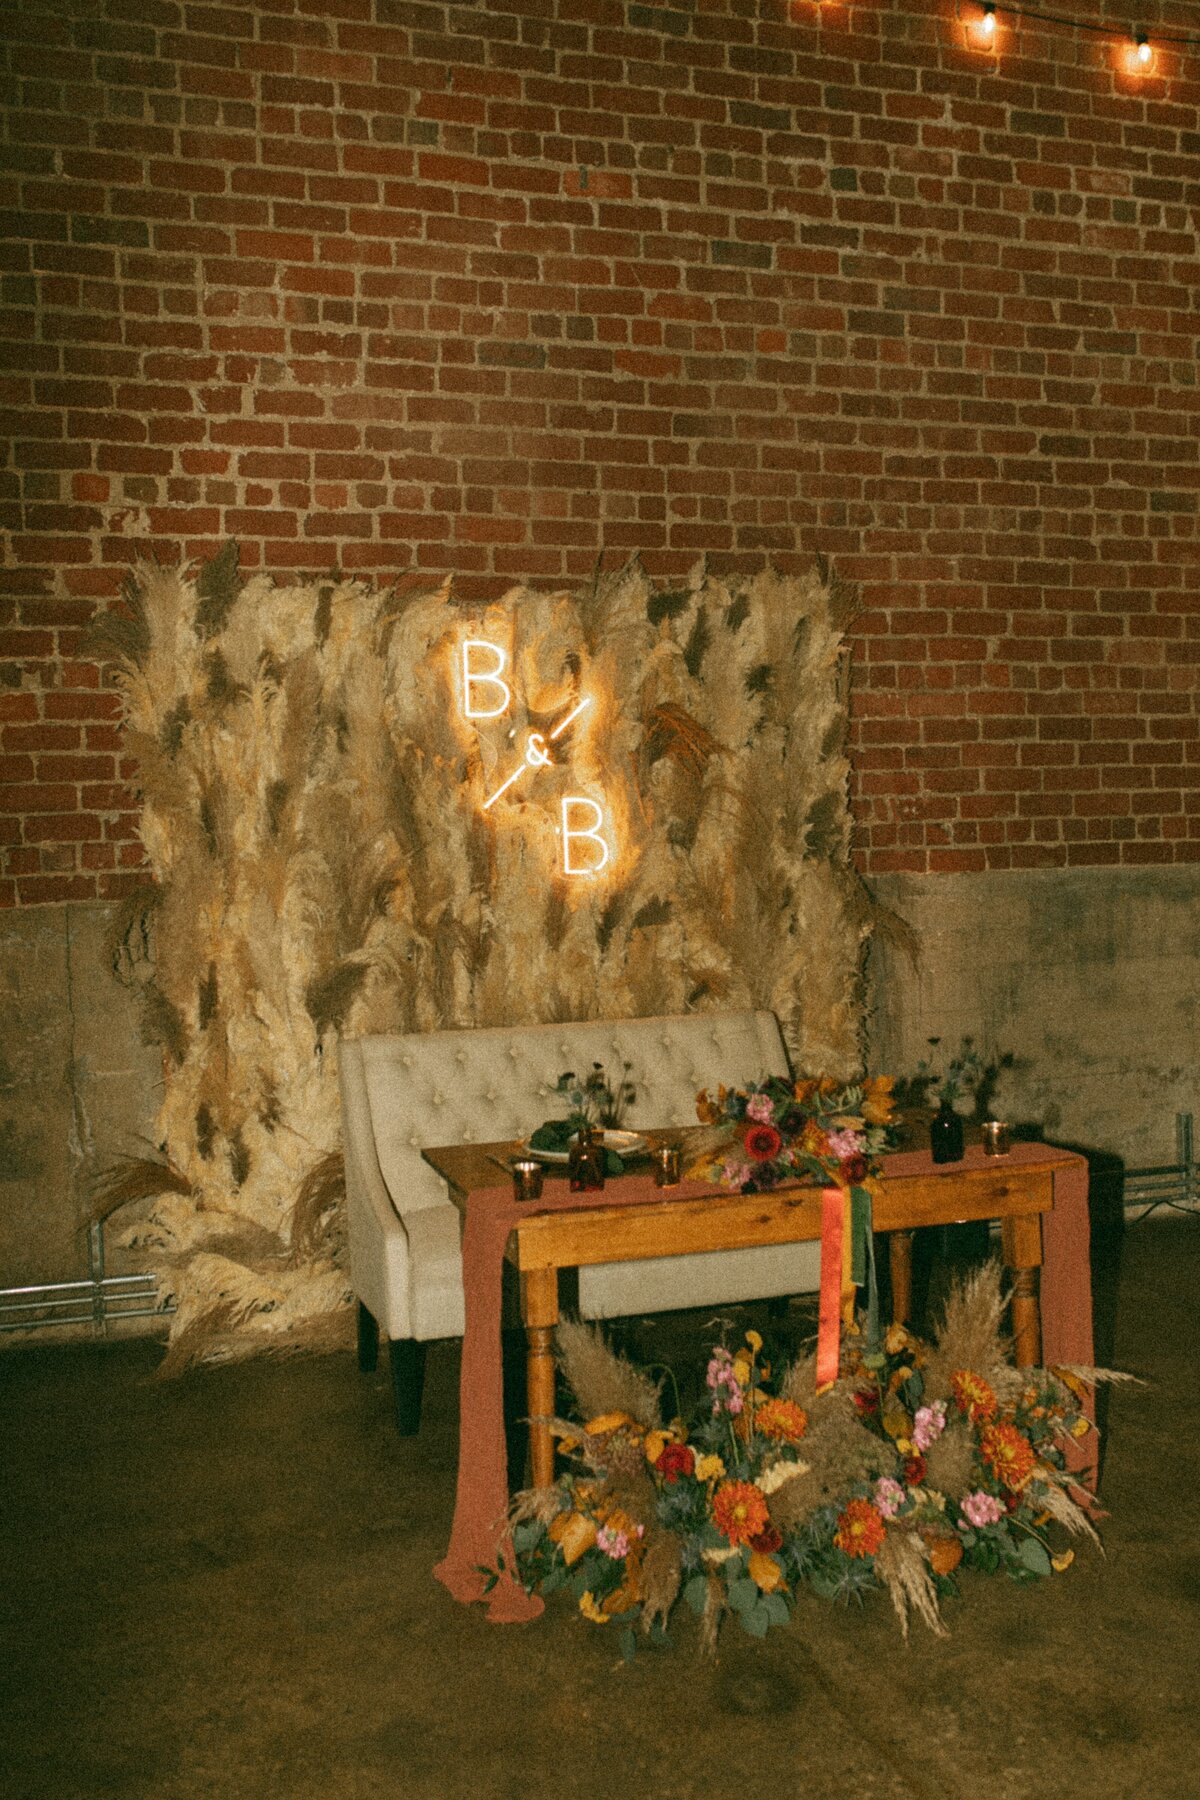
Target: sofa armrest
379	1255
436	1307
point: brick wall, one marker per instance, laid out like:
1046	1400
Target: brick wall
403	287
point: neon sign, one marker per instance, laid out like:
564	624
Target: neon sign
585	851
473	678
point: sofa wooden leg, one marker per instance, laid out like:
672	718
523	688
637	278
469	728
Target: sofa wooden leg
368	1339
408	1381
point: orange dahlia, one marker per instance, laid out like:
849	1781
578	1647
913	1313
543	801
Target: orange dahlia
860	1530
1008	1454
739	1511
973	1395
782	1420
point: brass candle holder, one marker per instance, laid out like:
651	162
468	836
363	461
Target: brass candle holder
527	1179
997	1138
668	1165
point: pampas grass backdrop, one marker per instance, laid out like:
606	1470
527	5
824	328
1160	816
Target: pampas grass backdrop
311	812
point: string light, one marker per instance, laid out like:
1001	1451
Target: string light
1142	52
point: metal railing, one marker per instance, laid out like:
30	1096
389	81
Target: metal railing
94	1301
1176	1185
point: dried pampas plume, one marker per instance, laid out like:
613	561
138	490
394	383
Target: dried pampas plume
601	1381
903	1567
312	815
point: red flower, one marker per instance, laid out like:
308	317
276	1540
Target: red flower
768	1540
854	1168
762	1142
675	1460
914	1469
866	1400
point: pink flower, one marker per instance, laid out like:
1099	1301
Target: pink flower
727	1395
613	1543
844	1143
889	1496
760	1107
929	1424
981	1509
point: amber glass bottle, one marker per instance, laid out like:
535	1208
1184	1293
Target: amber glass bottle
585	1165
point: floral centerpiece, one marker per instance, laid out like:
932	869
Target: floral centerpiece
965	1081
591	1099
924	1460
779	1130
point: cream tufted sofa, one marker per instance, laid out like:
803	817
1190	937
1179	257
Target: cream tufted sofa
448	1087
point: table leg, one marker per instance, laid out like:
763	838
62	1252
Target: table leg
539	1308
1021	1239
900	1253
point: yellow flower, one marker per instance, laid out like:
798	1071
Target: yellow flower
896	1422
1060	1564
610	1421
897	1339
574	1533
754	1341
878	1099
656	1442
1080	1428
765	1571
741	1368
709	1468
589	1609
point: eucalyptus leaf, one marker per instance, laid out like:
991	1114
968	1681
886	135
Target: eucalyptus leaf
743	1595
696	1594
757	1620
1033	1556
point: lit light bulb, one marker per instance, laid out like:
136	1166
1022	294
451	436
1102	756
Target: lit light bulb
987	25
1145	54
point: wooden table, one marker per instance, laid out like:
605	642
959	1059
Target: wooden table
542	1243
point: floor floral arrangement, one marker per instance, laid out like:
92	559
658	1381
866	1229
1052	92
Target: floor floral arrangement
925	1459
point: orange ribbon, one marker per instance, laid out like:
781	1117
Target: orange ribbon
836	1278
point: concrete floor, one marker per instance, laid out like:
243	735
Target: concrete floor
221	1586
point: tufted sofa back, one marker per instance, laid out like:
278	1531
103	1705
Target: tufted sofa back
462	1087
456	1087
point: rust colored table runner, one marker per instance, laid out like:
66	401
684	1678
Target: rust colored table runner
479	1533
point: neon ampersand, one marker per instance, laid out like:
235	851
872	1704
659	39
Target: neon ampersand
536	755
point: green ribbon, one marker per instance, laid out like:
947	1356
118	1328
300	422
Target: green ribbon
862	1262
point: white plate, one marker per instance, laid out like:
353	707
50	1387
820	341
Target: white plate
627	1144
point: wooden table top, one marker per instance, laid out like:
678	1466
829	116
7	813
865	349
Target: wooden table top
704	1216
